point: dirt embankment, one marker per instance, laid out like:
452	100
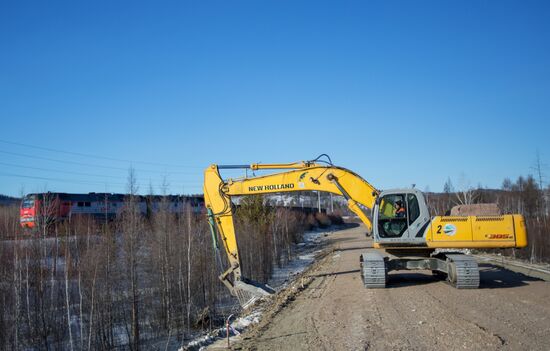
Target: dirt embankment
331	310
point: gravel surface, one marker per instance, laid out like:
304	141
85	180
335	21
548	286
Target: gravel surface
333	311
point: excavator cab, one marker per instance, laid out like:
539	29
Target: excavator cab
400	217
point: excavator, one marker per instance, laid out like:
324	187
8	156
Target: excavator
405	236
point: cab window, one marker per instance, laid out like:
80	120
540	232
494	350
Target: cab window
28	203
392	216
413	207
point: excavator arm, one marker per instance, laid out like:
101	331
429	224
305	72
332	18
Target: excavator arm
300	176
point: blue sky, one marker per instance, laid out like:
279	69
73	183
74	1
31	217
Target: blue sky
400	92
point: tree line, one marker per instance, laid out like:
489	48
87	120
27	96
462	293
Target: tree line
136	282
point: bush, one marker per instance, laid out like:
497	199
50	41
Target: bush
323	219
336	219
311	222
9	222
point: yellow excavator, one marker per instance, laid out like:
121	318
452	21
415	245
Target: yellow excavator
405	235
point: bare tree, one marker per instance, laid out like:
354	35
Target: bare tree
132	231
466	195
538	168
67	293
188	213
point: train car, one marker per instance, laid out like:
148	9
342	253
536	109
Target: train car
54	207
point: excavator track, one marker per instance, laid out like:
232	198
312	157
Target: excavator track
373	270
463	271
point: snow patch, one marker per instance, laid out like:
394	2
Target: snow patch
235	329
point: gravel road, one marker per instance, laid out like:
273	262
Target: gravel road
510	311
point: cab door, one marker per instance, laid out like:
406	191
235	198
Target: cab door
401	217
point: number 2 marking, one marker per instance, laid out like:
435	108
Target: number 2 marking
439	229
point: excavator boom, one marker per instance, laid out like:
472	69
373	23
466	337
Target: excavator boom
300	176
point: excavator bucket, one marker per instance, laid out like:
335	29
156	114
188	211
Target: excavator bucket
248	291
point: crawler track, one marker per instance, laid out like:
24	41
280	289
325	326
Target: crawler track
463	272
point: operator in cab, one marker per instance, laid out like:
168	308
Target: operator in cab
400	211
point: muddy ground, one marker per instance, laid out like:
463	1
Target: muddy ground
334	311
